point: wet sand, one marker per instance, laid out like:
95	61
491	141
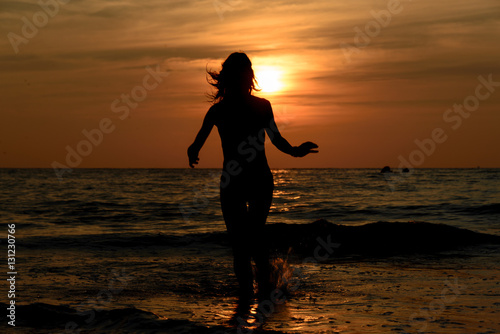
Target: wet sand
449	292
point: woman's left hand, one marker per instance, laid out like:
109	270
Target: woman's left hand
304	149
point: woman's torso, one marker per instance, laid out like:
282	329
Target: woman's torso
241	124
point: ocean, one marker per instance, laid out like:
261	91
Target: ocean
145	250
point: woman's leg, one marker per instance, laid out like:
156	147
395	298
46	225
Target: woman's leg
234	211
259	205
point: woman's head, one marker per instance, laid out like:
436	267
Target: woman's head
235	78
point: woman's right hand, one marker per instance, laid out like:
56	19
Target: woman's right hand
304	149
193	156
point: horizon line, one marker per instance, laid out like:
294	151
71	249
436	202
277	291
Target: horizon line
272	168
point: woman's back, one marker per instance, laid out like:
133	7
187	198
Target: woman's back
241	122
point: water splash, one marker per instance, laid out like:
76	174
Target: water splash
281	272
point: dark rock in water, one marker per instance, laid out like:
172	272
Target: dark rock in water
47	318
386	169
374	239
405	170
41	315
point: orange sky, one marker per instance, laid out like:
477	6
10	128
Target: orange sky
364	90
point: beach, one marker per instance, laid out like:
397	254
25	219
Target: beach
454	292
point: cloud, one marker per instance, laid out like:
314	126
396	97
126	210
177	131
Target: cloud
92	51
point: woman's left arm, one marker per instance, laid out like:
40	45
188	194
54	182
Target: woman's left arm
282	144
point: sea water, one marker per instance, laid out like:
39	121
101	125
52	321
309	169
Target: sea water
160	232
185	201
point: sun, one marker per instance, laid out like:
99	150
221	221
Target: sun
269	79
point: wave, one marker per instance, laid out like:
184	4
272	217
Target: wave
375	239
64	319
485	209
124	240
380	238
71	212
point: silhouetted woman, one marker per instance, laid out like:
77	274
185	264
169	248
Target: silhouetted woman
246	187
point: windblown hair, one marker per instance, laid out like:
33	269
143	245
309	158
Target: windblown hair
236	76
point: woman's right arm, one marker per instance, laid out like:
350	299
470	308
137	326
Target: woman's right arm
201	137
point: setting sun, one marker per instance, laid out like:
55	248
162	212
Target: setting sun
269	79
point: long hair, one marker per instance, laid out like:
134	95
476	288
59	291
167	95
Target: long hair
236	76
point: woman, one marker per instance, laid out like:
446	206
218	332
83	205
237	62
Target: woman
246	187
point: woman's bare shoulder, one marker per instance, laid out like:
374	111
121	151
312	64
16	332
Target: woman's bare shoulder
261	103
214	112
260	100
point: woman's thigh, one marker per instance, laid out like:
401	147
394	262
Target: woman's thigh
245	204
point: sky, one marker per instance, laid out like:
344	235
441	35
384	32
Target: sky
122	83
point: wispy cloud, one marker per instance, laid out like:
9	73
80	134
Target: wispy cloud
92	51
